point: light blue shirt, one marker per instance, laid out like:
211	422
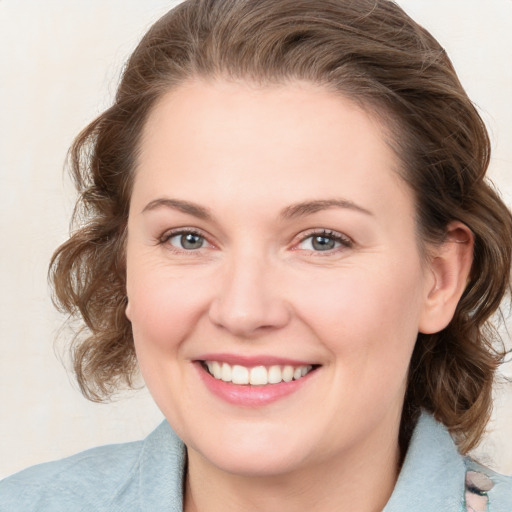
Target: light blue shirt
147	476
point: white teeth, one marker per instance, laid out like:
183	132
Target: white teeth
275	375
216	370
258	375
288	373
226	372
239	375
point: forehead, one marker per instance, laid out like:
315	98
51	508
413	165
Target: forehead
220	138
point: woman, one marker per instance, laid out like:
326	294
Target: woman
286	226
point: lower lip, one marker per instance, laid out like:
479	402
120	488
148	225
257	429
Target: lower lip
249	395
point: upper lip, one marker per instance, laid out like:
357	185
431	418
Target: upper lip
251	361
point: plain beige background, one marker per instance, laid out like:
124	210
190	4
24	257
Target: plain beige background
59	65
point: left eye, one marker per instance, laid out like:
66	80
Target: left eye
187	241
322	242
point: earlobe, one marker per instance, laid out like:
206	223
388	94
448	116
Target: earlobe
450	267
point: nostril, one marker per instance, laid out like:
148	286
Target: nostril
247	317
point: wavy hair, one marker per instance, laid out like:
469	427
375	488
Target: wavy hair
367	50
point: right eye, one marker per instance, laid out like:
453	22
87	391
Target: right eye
185	240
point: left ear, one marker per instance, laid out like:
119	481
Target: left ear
450	266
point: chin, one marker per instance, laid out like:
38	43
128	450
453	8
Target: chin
262	464
252	454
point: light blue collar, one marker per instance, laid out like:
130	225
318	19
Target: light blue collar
432	478
433	474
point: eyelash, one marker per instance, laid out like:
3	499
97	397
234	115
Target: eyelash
164	239
343	241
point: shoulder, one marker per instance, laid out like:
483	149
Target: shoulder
486	489
436	477
140	476
86	480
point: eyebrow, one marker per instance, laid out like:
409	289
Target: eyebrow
293	211
183	206
309	207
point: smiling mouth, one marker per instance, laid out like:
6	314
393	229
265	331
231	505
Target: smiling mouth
256	375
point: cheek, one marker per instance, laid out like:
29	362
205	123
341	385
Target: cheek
164	310
163	306
368	314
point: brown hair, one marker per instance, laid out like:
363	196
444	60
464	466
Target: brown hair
367	50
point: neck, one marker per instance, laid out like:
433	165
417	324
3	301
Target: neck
359	482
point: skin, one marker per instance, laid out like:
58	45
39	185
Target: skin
257	286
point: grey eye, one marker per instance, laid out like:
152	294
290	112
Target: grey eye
187	241
320	243
323	243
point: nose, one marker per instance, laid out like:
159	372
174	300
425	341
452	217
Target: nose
249	300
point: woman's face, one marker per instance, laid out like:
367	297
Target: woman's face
270	238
